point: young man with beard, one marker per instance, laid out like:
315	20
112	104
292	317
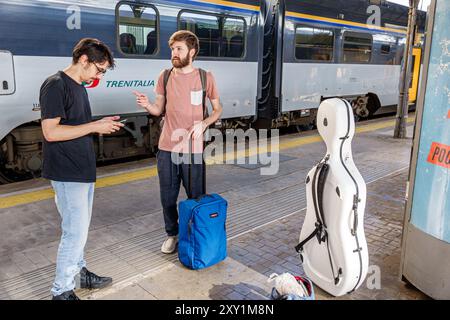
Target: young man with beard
69	159
183	118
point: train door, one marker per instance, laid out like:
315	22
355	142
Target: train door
7	82
414	86
269	102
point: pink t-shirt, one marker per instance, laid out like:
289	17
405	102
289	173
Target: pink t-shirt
183	108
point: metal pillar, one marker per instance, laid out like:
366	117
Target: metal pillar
405	77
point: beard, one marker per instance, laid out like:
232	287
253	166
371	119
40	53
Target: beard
180	63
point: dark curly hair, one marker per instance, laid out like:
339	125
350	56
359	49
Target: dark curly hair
95	50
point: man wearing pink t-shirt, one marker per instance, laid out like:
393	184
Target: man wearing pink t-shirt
183	118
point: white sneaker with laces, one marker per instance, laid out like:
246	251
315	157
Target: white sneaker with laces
170	244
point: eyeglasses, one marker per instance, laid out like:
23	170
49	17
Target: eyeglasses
99	70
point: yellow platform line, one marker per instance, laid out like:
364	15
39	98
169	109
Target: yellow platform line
141	174
122	178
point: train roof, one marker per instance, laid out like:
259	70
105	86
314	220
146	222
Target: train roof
111	4
350	10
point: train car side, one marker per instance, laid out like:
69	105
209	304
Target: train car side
42	42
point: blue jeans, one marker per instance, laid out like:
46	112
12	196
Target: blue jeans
74	202
170	177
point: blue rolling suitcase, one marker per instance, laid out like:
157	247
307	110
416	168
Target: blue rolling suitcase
202	234
202	237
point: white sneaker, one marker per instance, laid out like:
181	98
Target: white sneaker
170	244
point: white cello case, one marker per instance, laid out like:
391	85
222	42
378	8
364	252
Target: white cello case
347	250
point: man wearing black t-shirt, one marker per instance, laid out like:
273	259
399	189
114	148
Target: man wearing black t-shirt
69	159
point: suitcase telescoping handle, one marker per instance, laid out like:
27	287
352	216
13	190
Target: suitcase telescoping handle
205	115
190	169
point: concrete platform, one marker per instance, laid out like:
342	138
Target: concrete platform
264	221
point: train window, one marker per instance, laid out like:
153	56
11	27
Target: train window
385	49
137	29
357	47
313	43
387	43
401	42
233	37
206	27
219	36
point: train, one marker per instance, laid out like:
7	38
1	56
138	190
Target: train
274	62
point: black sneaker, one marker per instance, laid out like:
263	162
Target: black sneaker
89	280
68	295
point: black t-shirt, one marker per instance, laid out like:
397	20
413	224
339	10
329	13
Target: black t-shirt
72	160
